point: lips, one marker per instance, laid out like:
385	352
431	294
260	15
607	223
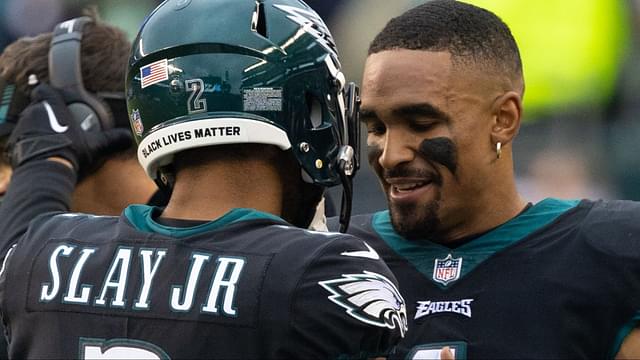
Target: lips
409	189
409	186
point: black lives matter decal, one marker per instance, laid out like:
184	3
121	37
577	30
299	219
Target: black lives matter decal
186	135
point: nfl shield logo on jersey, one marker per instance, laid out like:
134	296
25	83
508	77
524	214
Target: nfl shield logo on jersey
447	270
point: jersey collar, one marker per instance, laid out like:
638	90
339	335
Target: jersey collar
142	218
422	253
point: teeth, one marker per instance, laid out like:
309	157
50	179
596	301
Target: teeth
407	187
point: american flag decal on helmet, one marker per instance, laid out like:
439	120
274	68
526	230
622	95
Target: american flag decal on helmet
154	73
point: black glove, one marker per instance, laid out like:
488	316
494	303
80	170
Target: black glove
46	128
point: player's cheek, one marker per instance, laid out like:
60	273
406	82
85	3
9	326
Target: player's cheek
441	150
373	153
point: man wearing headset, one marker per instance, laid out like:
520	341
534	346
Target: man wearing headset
114	181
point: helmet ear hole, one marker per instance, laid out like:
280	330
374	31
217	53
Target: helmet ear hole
314	107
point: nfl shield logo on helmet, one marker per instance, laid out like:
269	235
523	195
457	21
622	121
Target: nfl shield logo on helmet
447	270
137	122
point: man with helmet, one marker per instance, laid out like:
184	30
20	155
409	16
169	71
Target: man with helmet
239	109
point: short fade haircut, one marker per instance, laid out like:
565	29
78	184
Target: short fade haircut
471	34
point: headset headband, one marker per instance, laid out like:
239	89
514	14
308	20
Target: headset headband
65	67
64	54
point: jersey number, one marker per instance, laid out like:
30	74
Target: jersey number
113	349
196	88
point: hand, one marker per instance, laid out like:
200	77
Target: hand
47	129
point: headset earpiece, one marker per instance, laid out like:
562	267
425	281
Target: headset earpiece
65	73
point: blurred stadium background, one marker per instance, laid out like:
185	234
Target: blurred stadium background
581	132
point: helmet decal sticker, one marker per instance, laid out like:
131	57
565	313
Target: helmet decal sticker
312	24
206	132
195	104
154	73
136	122
262	99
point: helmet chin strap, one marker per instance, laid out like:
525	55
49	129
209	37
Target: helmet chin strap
165	180
348	157
346	167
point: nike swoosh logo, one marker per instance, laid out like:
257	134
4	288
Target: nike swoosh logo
369	254
53	120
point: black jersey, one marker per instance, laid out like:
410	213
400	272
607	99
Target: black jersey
561	280
247	285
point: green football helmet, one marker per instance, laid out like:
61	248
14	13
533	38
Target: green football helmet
214	72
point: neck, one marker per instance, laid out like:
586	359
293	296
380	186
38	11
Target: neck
211	190
120	181
497	203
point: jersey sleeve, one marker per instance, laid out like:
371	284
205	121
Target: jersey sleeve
347	304
36	188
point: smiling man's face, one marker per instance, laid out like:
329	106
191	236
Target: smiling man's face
429	125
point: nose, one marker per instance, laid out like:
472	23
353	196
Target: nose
396	150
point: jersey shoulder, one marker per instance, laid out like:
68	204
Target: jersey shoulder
363	226
360	226
322	252
65	222
67	225
350	281
345	301
360	221
618	212
60	227
612	227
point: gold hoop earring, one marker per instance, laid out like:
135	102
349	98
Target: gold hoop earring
498	149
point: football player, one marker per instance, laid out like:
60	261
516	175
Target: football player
238	107
484	272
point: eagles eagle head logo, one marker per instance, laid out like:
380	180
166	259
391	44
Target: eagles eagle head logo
371	298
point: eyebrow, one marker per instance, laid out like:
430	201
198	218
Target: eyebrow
424	110
367	115
409	111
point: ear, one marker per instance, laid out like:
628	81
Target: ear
507	111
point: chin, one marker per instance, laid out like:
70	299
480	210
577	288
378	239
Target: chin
415	222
